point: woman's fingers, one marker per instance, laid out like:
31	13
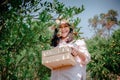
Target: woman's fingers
74	52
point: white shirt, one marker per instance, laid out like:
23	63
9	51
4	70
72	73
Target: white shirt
77	72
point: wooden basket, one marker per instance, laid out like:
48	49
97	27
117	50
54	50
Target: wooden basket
58	57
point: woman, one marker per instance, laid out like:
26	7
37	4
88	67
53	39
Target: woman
63	36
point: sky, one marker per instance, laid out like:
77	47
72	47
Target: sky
92	7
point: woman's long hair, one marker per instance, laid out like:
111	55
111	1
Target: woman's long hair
55	40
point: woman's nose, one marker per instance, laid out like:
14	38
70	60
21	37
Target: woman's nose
62	28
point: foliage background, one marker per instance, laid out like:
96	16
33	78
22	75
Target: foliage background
105	55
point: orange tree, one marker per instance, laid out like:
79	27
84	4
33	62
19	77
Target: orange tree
105	55
104	49
23	36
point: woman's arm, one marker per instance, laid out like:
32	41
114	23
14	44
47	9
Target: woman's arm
81	51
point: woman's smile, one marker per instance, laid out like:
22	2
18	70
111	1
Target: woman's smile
65	32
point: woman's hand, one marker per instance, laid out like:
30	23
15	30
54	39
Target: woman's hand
74	52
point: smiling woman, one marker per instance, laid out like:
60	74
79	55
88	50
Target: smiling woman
63	36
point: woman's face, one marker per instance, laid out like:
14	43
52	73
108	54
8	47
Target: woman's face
64	29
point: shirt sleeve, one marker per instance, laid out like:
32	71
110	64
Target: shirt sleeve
82	48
